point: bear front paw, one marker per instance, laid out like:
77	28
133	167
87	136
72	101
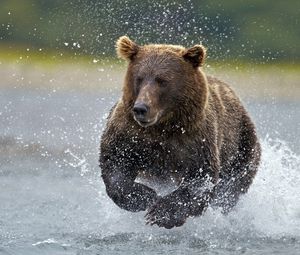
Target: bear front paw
167	213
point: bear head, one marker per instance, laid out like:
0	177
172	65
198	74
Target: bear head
164	84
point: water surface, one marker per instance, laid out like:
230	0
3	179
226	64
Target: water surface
54	202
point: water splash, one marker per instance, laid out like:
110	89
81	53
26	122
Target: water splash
176	22
78	162
274	202
271	208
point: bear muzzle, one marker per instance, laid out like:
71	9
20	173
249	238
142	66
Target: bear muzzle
142	115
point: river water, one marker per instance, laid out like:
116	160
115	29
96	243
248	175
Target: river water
52	200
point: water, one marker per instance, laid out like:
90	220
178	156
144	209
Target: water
53	200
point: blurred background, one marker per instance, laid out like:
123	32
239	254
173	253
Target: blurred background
59	76
258	30
71	43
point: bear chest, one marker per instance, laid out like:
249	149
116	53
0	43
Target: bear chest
161	170
164	161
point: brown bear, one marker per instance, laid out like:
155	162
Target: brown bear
175	127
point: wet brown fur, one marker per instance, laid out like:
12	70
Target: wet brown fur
205	142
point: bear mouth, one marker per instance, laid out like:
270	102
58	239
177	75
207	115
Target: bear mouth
145	123
148	122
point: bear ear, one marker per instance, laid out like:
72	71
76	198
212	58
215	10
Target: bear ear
126	48
195	55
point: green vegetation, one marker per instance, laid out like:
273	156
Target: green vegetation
258	30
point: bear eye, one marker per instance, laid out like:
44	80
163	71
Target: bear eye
161	82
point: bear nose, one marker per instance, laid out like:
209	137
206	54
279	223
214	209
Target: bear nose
140	110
